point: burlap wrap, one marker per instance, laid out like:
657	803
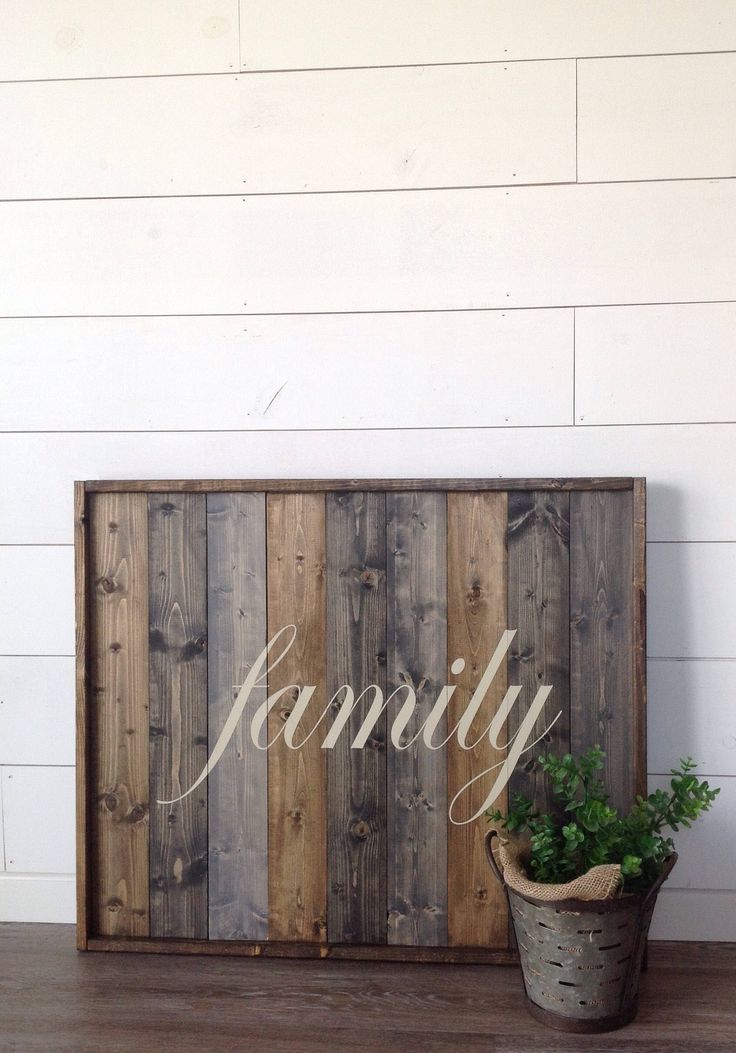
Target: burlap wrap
602	882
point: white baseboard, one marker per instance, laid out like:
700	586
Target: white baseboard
695	914
38	897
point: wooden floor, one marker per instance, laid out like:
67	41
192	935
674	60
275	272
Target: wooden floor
54	999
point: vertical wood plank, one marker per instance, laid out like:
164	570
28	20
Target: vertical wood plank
84	860
601	660
178	713
297	779
237	787
118	562
639	631
356	655
539	609
416	554
476	608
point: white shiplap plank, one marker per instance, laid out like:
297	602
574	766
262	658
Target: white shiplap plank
691	713
344	130
289	34
516	247
707	851
657	364
692	600
105	38
38	897
689	914
36	600
451	369
689	468
657	118
38	817
36	710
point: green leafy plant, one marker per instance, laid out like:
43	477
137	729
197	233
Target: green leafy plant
587	831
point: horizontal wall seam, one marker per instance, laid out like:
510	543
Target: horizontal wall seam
339	430
375	310
366	190
244	71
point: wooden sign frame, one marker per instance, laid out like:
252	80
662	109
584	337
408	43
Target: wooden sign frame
566	561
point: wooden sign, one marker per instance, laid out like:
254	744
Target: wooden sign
245	787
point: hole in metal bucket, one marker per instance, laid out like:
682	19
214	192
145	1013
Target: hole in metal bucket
588	932
566	983
609	947
544	925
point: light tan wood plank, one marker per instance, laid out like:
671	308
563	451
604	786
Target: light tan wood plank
476	614
297	779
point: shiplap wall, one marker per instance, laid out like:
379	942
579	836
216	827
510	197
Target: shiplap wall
411	237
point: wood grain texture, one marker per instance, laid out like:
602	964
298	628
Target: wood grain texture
476	613
356	655
358	1007
119	690
601	654
639	636
297	779
539	610
237	796
353	485
178	713
416	585
83	656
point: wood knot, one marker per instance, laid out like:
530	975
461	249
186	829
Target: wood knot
115	647
369	579
107	585
137	813
192	648
114	905
360	830
167	509
112	526
110	801
481	894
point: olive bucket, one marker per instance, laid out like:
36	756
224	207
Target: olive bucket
581	959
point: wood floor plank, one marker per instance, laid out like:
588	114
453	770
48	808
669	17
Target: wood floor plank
686	1003
178	713
118	596
356	655
297	779
237	786
416	549
601	655
539	610
476	606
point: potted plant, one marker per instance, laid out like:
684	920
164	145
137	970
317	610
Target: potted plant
582	882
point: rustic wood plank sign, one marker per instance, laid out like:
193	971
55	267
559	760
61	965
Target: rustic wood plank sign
296	698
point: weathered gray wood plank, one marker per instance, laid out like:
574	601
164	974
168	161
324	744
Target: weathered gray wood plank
178	713
601	656
356	655
539	609
416	553
238	787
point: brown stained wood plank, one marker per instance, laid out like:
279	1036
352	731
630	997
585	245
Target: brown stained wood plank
416	547
639	629
352	485
84	884
539	609
237	796
356	655
297	779
118	573
275	949
601	658
476	611
178	713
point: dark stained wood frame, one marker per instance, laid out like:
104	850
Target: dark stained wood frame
280	949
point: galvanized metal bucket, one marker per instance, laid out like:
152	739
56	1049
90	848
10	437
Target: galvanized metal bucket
580	959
